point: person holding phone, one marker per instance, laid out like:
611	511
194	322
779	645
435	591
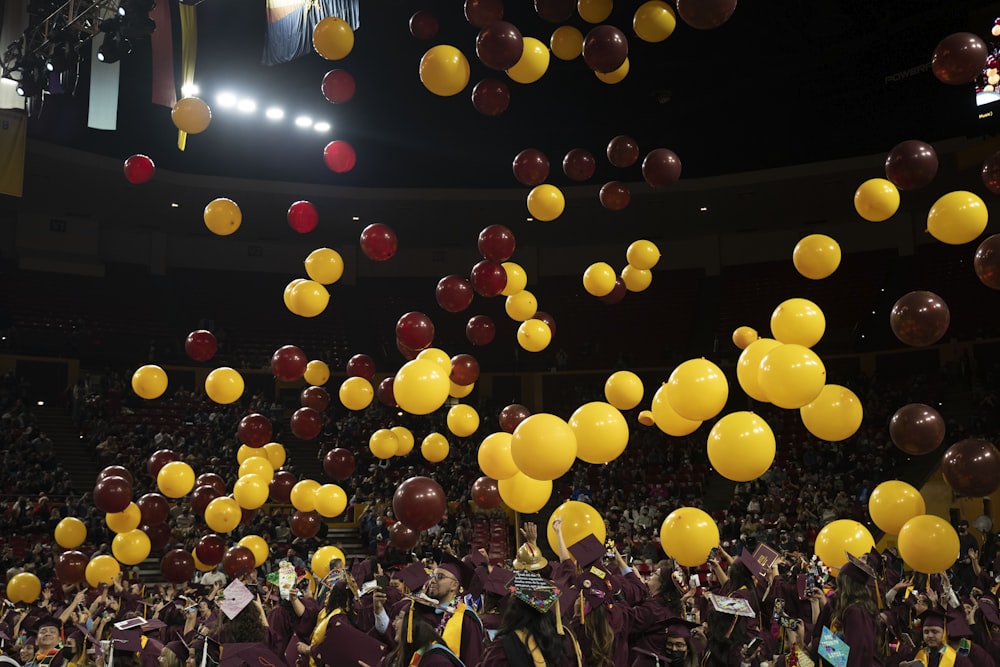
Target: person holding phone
852	614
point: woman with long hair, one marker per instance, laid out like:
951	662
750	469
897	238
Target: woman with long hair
730	642
852	614
336	641
417	642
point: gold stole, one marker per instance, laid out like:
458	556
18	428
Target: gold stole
319	632
452	634
947	658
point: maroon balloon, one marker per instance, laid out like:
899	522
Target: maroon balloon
496	243
338	86
338	464
116	471
705	14
213	480
408	352
531	167
911	164
362	366
177	566
153	508
623	151
139	169
661	168
488	278
464	369
499	45
480	330
512	415
316	398
579	164
605	48
384	392
419	502
555	11
972	467
254	429
415	330
991	173
305	524
201	345
112	494
306	423
202	495
491	97
159	535
238	561
920	318
481	13
615	195
402	537
423	25
281	486
210	549
917	429
959	58
454	293
987	262
485	493
247	516
548	319
339	156
616	294
288	363
302	217
378	242
71	567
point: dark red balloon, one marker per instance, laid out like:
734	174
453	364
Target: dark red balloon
306	423
305	524
423	25
464	369
705	14
201	345
555	11
177	566
281	486
116	471
288	363
254	429
362	366
238	561
488	278
112	494
202	495
548	319
316	398
415	330
159	535
987	262
991	173
499	45
210	549
480	330
419	502
408	352
623	151
579	164
385	393
615	195
616	294
402	537
497	243
338	464
972	467
378	242
339	156
247	516
920	318
531	167
338	86
454	293
139	169
303	217
481	13
213	480
485	493
512	415
71	567
661	168
959	58
605	49
917	429
911	164
491	97
153	508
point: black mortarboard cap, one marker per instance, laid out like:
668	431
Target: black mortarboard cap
462	572
587	551
413	576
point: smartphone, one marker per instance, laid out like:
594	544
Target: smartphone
713	554
382	581
752	646
779	608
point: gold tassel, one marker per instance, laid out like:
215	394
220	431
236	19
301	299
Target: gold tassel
559	625
452	634
409	624
583	607
189	53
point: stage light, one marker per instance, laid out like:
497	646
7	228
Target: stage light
322	126
274	113
190	90
113	48
226	99
246	105
303	121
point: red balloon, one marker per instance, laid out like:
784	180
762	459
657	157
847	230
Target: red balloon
987	262
579	164
485	493
210	549
415	330
497	243
159	535
920	318
338	464
464	369
202	495
177	566
531	167
911	164
281	486
605	49
153	508
480	330
512	415
615	195
385	393
213	480
378	242
116	471
959	58
112	494
288	363
491	97
402	537
339	156
481	13
499	45
201	345
338	86
71	567
305	524
623	151
238	561
316	398
306	423
488	278
555	11
247	516
454	293
705	14
302	217
548	319
423	25
917	429
254	430
661	168
408	352
616	294
139	169
991	173
972	467
362	366
419	502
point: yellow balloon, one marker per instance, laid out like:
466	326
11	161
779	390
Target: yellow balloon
646	418
543	446
223	216
636	280
191	115
149	382
247	452
257	465
688	535
421	386
517	279
594	11
324	265
578	521
404	440
70	532
131	548
534	335
743	336
307	298
463	420
697	390
251	491
893	503
654	21
642	254
175	480
614	76
257	546
798	321
102	570
834	415
495	459
816	256
533	63
275	453
958	217
444	70
566	43
741	446
356	393
333	38
434	447
331	500
599	279
521	306
384	443
198	565
623	389
524	494
667	419
223	514
320	563
438	356
317	373
876	200
303	495
841	537
601	432
546	202
124	521
224	385
460	390
24	587
289	289
928	544
748	366
791	376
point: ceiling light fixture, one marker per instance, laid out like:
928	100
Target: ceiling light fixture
322	126
274	113
303	121
246	105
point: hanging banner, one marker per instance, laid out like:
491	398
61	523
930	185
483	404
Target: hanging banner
164	86
13	137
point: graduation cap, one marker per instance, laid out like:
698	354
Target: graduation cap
858	570
594	586
248	653
351	647
760	561
934	618
988	607
529	557
235	598
496	582
178	648
533	590
587	551
46	621
413	576
462	572
475	559
133	638
679	628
